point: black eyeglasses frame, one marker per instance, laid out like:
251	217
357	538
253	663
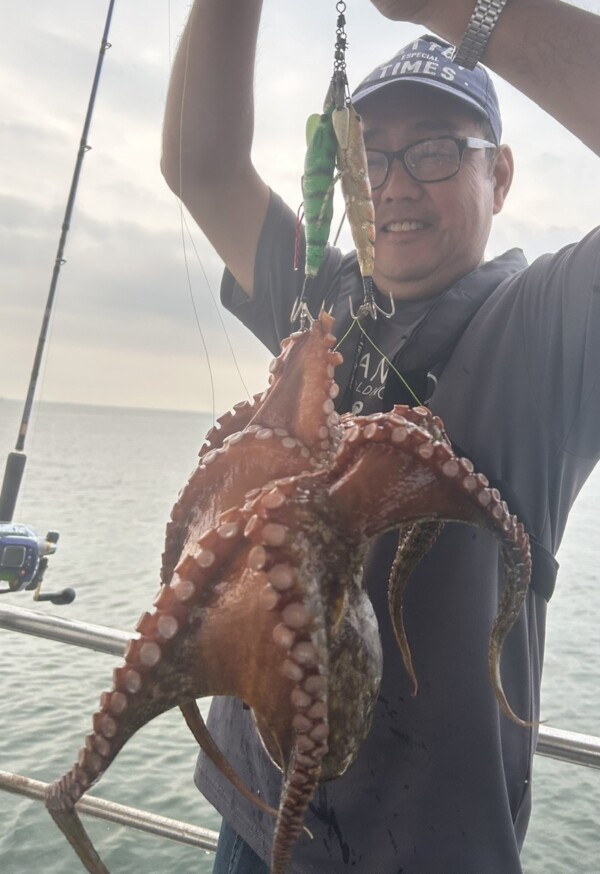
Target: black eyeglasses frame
462	143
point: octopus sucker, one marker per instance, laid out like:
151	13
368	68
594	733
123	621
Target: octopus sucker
262	594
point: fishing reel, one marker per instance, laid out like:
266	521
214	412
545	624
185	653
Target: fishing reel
24	559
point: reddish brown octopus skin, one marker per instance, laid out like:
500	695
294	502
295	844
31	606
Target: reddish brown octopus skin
269	535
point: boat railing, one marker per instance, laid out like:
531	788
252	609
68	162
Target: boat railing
133	817
554	743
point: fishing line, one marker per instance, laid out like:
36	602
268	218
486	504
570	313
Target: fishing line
357	322
217	307
186	229
339	230
390	364
181	221
347	334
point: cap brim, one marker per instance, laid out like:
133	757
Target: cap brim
420	80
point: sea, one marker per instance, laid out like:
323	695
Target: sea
106	479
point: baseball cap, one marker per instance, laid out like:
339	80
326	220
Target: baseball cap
428	61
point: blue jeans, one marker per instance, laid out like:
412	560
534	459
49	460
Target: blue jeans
234	856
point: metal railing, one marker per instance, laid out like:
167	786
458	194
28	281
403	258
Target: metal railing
555	743
142	820
110	641
77	633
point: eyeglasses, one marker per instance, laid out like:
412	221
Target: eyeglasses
426	160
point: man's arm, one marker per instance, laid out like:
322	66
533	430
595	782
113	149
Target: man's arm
547	49
208	130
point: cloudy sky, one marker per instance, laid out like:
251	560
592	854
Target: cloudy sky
124	330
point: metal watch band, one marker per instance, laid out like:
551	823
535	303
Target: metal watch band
481	24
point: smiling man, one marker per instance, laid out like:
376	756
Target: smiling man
508	354
432	224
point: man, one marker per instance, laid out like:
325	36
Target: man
507	354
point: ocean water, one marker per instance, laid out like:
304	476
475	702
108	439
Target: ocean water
106	479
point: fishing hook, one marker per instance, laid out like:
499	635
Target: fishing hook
369	306
301	311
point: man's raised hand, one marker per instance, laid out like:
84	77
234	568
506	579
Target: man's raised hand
403	10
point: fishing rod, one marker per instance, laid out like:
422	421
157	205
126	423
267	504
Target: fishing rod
23	555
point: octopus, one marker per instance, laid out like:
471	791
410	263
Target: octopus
262	595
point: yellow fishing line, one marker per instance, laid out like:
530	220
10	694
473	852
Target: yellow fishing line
390	364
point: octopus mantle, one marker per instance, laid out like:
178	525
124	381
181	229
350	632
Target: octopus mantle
262	596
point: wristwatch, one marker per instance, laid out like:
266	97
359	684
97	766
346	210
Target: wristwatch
481	24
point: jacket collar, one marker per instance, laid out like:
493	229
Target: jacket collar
433	336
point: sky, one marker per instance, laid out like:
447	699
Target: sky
124	330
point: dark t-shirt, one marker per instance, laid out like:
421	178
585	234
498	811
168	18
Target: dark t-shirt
442	785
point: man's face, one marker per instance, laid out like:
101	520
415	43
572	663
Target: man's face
428	235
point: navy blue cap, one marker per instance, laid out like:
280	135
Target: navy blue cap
428	61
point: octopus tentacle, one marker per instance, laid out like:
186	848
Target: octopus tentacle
517	574
153	678
71	826
415	541
428	483
231	422
298	788
310	388
302	389
212	489
197	726
313	587
195	623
